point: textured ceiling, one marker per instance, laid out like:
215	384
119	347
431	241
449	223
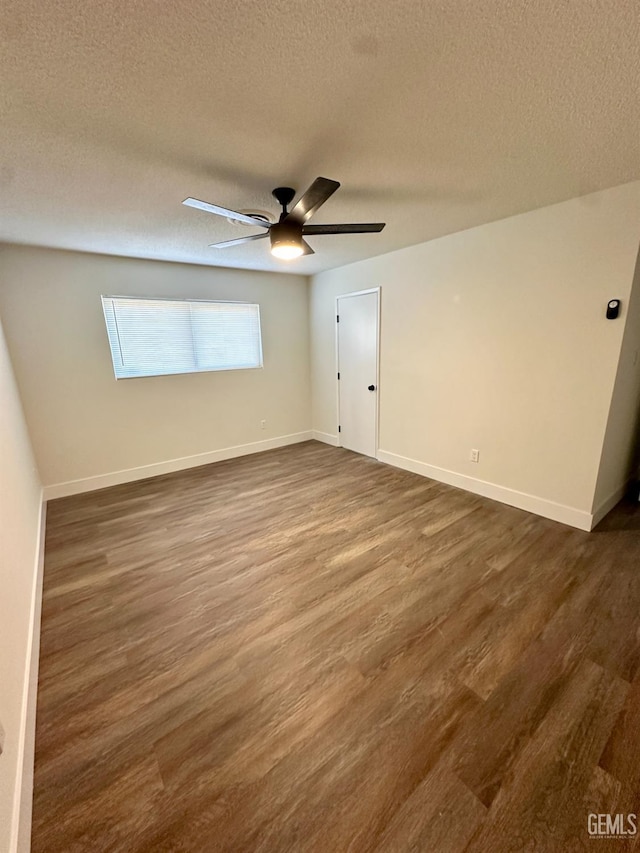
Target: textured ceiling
435	117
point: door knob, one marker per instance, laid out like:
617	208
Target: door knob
372	387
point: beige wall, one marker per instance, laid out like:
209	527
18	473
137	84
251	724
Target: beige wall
495	338
20	502
85	424
620	450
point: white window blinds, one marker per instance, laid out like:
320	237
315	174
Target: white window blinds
155	337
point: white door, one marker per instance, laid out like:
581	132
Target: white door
358	371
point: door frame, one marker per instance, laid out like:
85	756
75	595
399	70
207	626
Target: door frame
378	292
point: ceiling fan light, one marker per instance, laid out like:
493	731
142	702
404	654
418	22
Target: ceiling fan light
286	251
286	240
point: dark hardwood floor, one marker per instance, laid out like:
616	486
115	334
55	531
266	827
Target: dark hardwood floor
307	650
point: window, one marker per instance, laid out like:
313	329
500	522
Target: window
155	337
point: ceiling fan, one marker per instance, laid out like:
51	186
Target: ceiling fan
287	234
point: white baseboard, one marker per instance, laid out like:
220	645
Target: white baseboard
607	505
116	478
581	519
23	800
326	438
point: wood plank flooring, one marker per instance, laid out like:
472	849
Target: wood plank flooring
307	650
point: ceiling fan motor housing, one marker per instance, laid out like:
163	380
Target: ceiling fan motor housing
285	233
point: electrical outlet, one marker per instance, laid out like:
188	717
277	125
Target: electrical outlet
474	456
263	424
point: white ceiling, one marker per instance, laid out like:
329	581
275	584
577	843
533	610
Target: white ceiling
435	115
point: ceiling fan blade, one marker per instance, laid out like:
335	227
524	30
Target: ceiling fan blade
226	243
223	211
319	191
345	228
307	250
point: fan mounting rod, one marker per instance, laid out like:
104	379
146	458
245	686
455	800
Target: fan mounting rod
284	196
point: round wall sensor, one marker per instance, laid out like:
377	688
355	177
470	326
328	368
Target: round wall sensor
613	308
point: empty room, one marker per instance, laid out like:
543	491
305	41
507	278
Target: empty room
319	426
